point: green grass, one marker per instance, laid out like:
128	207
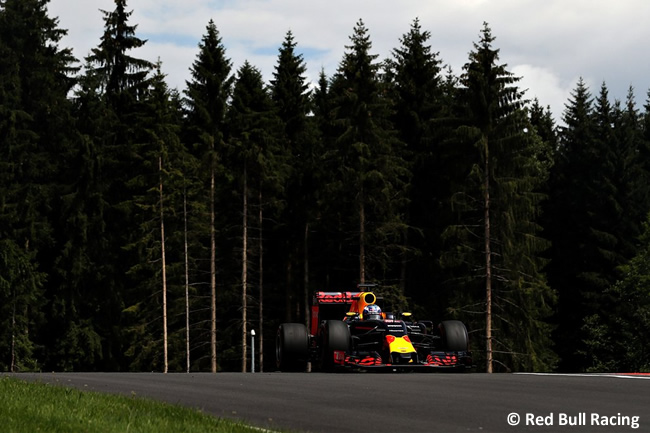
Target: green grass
35	407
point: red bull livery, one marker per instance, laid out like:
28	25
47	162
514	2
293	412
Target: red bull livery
349	330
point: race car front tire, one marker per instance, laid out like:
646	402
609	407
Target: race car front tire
334	335
454	335
292	347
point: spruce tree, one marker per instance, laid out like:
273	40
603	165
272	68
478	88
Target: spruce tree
261	170
629	336
414	78
122	77
154	307
542	120
645	131
21	291
291	98
368	171
570	231
543	124
631	176
290	91
608	200
111	105
322	105
206	99
37	131
494	244
416	88
623	347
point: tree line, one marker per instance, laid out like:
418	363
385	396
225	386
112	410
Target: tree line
147	228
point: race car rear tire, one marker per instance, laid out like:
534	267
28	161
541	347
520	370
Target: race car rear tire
454	335
334	335
292	347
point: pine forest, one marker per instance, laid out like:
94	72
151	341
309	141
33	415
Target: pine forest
146	228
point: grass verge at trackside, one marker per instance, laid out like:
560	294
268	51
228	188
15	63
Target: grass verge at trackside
35	407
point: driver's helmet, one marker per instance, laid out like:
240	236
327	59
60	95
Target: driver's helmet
372	312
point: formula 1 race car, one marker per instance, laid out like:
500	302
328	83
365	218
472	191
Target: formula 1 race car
349	330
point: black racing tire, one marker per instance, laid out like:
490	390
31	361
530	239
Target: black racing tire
454	335
292	347
334	335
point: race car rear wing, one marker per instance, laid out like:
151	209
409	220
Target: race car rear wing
335	305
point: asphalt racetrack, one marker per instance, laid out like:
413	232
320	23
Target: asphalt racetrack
393	402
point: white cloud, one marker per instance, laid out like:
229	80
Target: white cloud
550	44
544	85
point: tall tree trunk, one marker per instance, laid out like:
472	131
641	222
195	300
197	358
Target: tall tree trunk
187	285
362	239
213	278
488	261
306	276
244	275
164	270
261	283
12	366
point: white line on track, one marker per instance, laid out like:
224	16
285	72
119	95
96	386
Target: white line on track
260	429
645	376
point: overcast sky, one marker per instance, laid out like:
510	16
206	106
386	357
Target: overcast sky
548	43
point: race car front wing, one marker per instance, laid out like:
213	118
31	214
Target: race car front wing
435	361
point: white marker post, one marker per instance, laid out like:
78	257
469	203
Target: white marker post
252	351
